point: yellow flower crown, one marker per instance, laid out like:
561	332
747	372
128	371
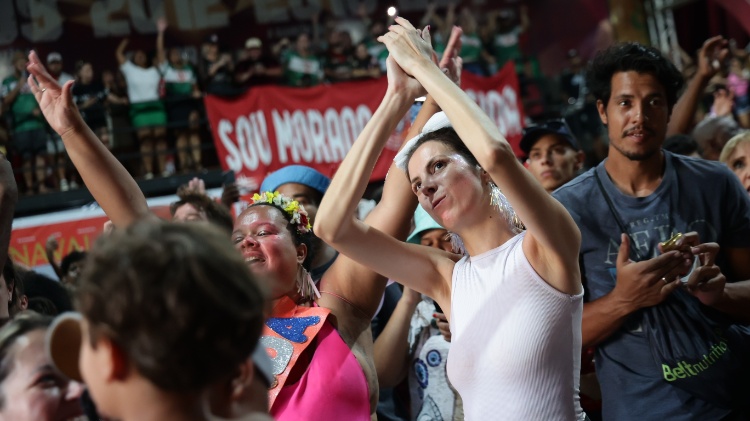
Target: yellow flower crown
292	207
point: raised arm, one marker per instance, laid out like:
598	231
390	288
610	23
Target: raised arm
161	56
49	249
413	266
712	53
108	181
553	239
344	193
120	52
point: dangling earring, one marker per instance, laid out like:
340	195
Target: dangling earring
500	202
305	285
457	244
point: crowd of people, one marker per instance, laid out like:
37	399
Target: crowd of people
480	286
151	112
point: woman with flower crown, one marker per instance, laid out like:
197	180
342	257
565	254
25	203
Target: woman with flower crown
320	340
514	300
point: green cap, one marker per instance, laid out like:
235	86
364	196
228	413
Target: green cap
422	222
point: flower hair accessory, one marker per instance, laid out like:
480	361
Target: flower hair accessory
292	207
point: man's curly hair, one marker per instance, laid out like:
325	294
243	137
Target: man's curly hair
632	56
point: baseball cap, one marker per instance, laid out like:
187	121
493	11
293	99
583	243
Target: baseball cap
422	222
253	43
53	57
299	174
211	39
532	133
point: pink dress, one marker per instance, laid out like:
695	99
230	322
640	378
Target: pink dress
333	387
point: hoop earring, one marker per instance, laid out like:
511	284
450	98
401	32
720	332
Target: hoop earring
305	285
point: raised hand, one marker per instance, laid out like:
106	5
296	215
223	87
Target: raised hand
56	102
712	56
230	195
399	81
451	62
197	185
162	24
409	46
51	245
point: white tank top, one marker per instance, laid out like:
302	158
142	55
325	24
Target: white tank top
516	341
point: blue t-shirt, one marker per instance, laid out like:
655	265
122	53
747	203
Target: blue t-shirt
701	196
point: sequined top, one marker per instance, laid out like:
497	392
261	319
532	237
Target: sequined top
515	340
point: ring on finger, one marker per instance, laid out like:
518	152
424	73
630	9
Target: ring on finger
664	279
44	89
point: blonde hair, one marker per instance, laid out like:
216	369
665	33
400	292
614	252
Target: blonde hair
732	144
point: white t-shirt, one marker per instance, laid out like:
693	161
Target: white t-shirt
143	84
64	77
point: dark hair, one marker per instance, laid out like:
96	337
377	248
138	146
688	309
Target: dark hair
80	64
216	213
681	144
632	56
11	279
447	136
19	326
43	305
297	237
38	285
177	298
19	289
72	257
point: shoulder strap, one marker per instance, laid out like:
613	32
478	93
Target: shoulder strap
613	211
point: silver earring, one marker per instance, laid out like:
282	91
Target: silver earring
500	202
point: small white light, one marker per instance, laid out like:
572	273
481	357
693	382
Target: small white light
391	11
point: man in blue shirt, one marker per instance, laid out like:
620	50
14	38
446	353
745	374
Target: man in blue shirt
639	196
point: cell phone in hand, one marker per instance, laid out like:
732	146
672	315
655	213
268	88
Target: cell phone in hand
437	307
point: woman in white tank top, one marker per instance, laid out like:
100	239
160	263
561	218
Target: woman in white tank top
514	300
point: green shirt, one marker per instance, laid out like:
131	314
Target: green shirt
505	47
471	48
23	107
301	71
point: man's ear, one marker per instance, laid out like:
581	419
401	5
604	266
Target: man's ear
601	107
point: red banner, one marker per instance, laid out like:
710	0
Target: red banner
270	127
74	230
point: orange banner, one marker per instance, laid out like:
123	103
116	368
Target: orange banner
27	243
